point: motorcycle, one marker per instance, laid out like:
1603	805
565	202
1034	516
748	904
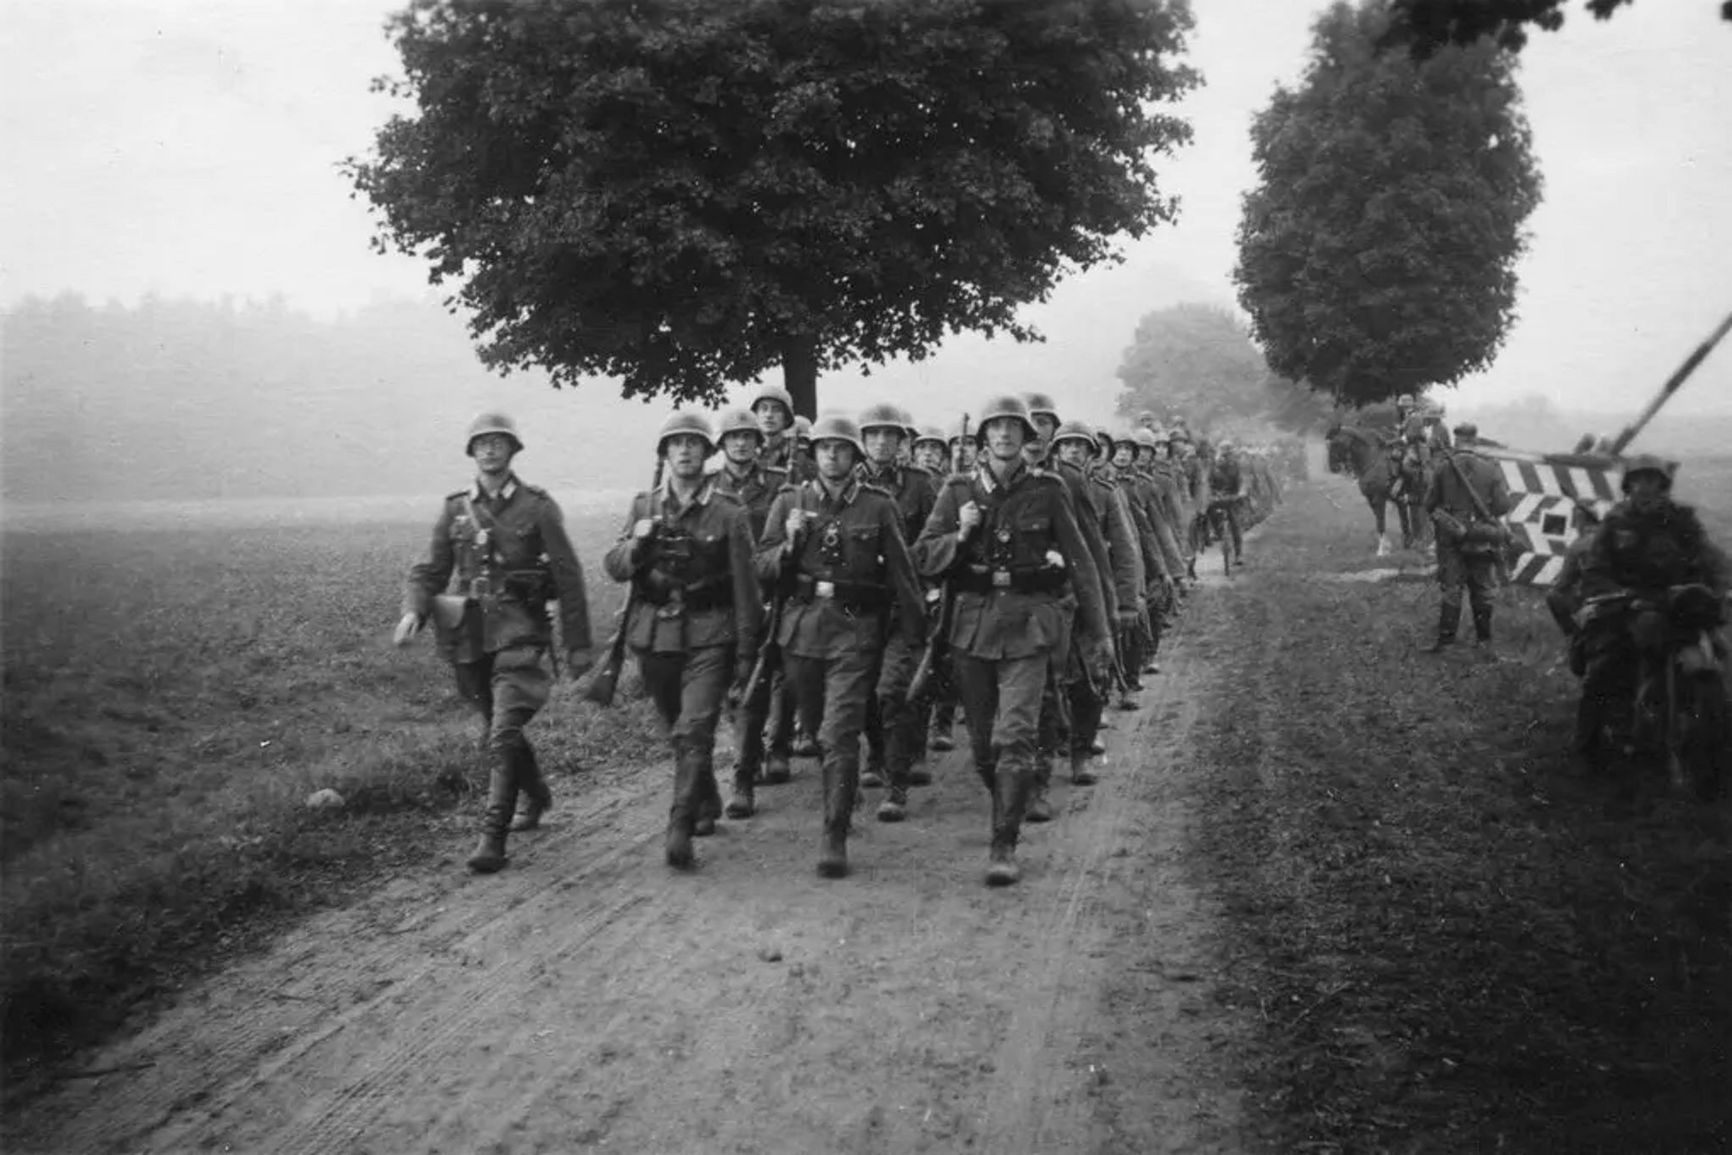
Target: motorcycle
1677	707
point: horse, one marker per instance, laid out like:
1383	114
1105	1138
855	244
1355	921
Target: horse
1365	456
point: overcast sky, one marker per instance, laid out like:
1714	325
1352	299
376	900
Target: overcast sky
191	149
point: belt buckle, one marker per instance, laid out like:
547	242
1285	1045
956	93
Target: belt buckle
1001	579
824	589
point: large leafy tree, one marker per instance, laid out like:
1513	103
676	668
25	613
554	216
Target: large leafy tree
1427	25
1377	253
1198	360
685	194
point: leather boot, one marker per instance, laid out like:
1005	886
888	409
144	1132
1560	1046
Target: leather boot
1080	774
489	853
839	790
1448	617
1008	801
894	807
940	740
683	812
1482	625
776	768
709	796
742	800
1039	809
534	798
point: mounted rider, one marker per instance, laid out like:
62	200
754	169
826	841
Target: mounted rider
1647	545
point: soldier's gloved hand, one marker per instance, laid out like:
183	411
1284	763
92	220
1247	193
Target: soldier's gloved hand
407	627
967	519
578	661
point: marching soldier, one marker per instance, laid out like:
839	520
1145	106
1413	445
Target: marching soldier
754	485
1137	643
835	546
931	452
1005	539
1466	499
695	611
774	409
501	546
1227	484
962	450
892	723
1069	682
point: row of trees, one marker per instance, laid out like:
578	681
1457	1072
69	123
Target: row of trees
686	195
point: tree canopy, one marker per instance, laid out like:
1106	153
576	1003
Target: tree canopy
1198	360
1377	253
685	194
1427	25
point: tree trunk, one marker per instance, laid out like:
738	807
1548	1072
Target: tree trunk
800	373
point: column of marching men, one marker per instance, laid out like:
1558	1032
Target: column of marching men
852	582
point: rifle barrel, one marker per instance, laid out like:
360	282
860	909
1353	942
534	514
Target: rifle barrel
1671	386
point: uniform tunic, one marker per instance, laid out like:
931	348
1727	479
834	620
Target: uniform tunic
1479	482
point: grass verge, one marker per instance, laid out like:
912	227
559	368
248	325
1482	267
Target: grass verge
170	700
1451	941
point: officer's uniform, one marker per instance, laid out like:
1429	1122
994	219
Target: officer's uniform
1012	615
893	724
850	587
1468	562
506	555
696	616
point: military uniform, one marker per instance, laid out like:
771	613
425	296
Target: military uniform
893	723
1227	487
504	556
782	454
696	615
1469	560
850	588
1012	617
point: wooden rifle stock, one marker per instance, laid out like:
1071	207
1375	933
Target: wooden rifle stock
769	652
606	678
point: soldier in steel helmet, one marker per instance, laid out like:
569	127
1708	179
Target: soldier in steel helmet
696	613
835	548
774	409
1162	559
501	547
1074	447
1005	539
930	452
1466	500
1069	683
745	476
893	738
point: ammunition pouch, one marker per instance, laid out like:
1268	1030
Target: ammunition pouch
657	589
448	611
980	579
849	596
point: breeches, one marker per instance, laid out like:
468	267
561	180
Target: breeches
508	687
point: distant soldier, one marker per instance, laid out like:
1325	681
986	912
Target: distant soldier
755	485
774	409
932	453
1162	560
1229	495
1074	448
835	547
695	612
1005	539
1136	645
962	450
1070	682
1466	500
892	725
501	547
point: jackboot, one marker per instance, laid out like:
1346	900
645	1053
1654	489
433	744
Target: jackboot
1039	809
1080	774
534	798
940	739
489	853
840	786
682	814
1448	618
1008	801
1482	625
805	745
709	803
894	806
742	800
776	768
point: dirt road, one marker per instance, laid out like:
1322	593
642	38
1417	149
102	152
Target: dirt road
588	997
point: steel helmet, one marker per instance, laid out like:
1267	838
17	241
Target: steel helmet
680	422
1467	430
1146	418
838	427
883	416
773	393
1181	434
1144	437
931	433
1646	463
1005	406
1040	405
910	430
1105	440
802	429
491	423
1077	431
738	421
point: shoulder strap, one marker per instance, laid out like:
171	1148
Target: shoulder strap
1472	495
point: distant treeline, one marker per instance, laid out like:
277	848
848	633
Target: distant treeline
187	399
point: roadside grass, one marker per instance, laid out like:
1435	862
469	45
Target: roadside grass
1452	941
170	700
